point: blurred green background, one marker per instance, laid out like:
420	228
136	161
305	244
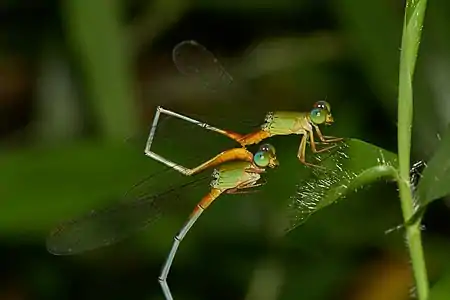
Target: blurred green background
79	84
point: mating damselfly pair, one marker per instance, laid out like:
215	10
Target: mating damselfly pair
234	170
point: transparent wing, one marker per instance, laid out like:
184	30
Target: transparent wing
193	59
107	226
197	62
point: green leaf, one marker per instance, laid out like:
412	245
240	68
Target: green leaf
352	165
435	178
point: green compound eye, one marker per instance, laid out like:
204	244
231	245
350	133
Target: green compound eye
267	148
323	105
318	115
261	159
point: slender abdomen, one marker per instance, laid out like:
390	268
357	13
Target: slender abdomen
225	156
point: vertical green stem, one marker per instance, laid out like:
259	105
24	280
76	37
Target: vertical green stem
412	28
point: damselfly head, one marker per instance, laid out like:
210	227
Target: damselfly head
266	157
268	148
321	113
323	105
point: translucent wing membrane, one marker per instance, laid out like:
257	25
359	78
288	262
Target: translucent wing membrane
107	226
193	59
147	200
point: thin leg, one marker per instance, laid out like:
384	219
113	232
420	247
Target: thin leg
313	144
254	170
326	139
238	192
233	154
242	188
301	152
204	203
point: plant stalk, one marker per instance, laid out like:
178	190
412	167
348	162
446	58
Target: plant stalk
412	28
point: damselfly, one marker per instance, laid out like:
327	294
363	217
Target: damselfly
235	170
193	59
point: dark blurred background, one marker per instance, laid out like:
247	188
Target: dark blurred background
79	84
